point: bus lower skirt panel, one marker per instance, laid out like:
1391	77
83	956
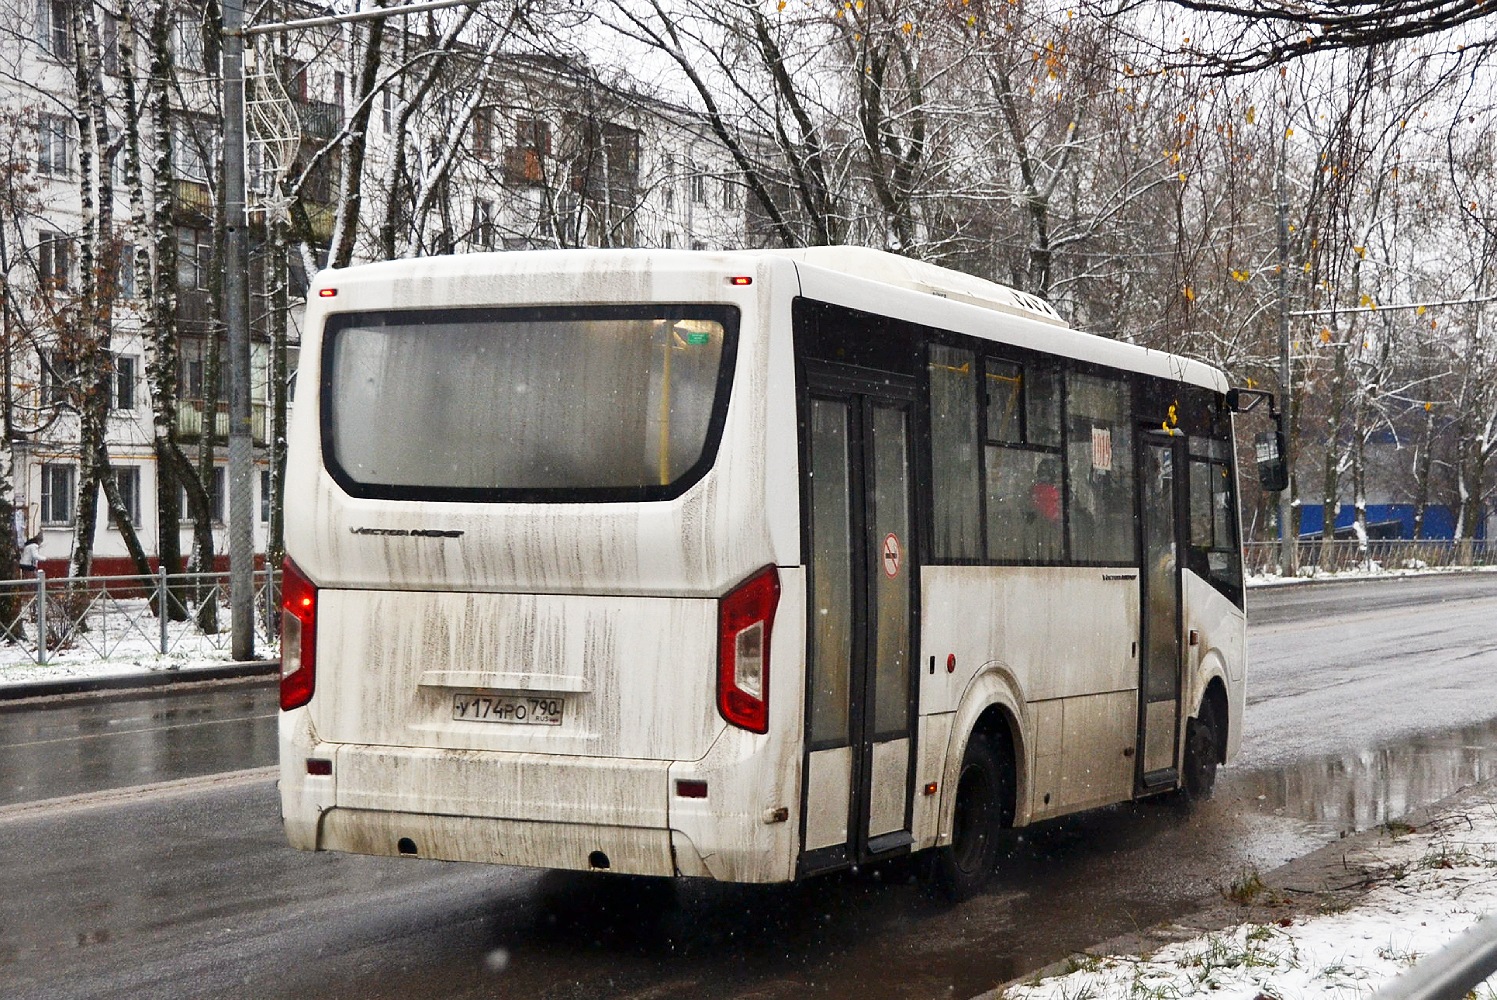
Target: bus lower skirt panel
575	846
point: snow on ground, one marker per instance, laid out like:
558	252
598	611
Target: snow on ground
122	638
1375	571
1428	886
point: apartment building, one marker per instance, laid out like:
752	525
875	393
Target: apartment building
434	138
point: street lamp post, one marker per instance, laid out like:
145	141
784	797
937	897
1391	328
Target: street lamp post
236	293
236	318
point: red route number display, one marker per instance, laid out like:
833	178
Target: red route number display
891	555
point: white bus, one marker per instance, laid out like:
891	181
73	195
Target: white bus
746	566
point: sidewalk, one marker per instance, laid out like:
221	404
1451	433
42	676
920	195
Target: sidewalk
1340	922
53	680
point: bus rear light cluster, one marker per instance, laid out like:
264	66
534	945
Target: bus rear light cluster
298	637
744	620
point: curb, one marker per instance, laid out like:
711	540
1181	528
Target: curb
126	682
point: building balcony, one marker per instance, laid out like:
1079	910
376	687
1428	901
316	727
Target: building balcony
319	119
194	199
190	421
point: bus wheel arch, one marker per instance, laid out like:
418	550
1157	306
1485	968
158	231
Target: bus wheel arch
982	783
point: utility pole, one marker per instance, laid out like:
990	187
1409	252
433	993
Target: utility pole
1288	537
236	318
236	294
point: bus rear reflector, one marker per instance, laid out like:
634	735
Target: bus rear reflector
298	637
744	619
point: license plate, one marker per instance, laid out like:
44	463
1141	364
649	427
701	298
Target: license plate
515	709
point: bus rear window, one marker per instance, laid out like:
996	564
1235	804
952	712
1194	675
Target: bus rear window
605	403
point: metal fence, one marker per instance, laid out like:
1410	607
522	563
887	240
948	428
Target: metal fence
1374	555
109	617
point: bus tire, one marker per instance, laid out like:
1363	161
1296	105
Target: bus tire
963	867
1202	751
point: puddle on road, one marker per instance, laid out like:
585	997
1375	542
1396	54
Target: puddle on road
1359	790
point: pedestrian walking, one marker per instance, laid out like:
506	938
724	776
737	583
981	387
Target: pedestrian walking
31	555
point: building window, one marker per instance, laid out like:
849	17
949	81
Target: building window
730	191
58	493
187	44
483	224
122	385
483	133
52	28
525	163
59	375
190	153
668	186
194	258
387	108
215	497
699	188
54	142
124	285
294	76
127	479
109	26
53	256
266	494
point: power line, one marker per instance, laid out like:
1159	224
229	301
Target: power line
1335	310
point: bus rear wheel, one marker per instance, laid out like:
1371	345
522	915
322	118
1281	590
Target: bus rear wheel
962	869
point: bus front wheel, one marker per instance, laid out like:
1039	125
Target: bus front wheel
963	867
1202	751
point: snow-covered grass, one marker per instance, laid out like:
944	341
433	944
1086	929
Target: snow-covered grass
1428	885
120	637
1366	572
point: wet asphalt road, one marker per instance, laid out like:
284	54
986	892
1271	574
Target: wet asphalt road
1365	700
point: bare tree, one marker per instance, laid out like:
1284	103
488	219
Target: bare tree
1280	31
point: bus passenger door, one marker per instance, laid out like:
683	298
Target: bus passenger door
860	694
1161	477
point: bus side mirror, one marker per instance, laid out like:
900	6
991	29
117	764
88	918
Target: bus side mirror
1273	470
1248	400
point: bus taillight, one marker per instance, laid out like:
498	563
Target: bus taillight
744	620
298	637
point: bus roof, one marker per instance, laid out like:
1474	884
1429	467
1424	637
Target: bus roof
919	276
857	277
1026	320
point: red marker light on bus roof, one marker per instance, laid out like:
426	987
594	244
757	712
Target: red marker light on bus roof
327	293
740	279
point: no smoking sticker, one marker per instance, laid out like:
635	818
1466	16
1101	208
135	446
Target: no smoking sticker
891	555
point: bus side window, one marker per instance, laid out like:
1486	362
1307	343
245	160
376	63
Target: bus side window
954	454
1024	473
1099	458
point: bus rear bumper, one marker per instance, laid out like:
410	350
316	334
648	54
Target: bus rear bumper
534	810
